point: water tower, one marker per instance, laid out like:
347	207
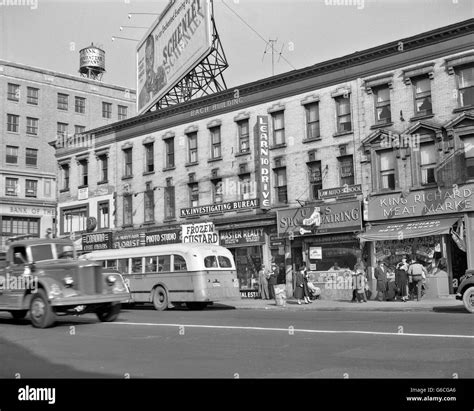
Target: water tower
92	62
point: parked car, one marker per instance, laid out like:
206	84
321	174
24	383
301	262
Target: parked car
45	278
465	291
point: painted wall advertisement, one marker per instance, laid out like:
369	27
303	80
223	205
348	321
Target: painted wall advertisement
262	162
199	233
180	38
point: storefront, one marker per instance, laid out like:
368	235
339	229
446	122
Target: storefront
433	226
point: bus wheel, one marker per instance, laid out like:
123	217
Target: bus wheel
160	299
196	306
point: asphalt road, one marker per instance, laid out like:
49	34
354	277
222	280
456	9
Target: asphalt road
229	343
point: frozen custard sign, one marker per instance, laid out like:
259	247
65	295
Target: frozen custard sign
432	202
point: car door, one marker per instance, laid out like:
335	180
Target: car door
14	284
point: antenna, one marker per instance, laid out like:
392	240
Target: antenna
271	43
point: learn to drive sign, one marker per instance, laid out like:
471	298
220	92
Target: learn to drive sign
262	162
199	233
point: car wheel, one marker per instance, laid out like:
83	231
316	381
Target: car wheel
41	313
468	299
196	306
108	313
160	298
19	314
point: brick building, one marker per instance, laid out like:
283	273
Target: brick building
319	160
37	105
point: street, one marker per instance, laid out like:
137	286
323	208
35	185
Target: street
222	342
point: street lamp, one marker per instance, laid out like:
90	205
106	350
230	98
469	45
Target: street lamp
151	14
123	38
132	27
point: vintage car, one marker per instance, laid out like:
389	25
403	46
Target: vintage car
44	277
465	291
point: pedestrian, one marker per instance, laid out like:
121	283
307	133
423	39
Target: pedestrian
380	274
299	286
335	267
272	280
417	272
401	279
263	283
361	283
303	269
359	266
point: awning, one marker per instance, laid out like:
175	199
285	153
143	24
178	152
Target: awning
398	231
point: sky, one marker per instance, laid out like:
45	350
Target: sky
49	33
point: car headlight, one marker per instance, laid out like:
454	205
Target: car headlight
68	281
119	288
55	291
111	279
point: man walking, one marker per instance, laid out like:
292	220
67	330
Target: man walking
417	272
380	274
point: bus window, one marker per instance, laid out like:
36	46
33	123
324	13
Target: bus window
123	265
137	265
150	264
210	261
111	264
164	263
179	263
224	262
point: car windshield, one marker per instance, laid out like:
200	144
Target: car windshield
41	252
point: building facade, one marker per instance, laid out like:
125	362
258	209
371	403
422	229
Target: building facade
37	106
285	169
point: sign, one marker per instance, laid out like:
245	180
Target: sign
199	233
83	193
219	208
129	239
430	202
171	236
262	162
250	294
337	217
25	210
315	253
340	192
92	57
241	236
216	106
97	241
177	42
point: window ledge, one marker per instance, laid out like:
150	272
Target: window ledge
127	177
243	153
464	108
342	133
83	186
127	226
102	182
192	164
311	140
169	219
212	160
421	117
149	222
64	190
169	168
277	146
423	187
381	125
383	192
147	173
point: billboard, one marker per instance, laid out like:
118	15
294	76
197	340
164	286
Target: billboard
174	45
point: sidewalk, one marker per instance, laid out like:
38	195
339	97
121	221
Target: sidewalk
444	304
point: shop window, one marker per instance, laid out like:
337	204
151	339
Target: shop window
244	141
278	121
465	84
382	105
387	170
346	170
20	225
422	95
312	121
427	163
343	110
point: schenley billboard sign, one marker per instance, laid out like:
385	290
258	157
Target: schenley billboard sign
219	208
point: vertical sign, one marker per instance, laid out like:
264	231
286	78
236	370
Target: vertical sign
262	162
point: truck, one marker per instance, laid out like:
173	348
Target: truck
44	277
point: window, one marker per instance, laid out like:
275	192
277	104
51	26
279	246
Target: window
312	120
210	261
179	263
192	148
84	172
149	160
280	185
62	130
382	105
127	159
104	214
346	170
278	120
78	130
20	225
244	142
127	210
74	219
169	151
169	203
193	194
224	262
65	176
32	126
244	187
151	264
122	265
217	189
12	155
104	164
149	203
32	95
31	157
13	92
216	142
13	122
387	170
315	179
427	163
80	105
343	109
47	187
31	188
465	80
106	110
469	155
63	100
164	263
137	265
422	92
122	112
11	186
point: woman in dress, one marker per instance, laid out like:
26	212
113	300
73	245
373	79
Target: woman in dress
401	278
299	286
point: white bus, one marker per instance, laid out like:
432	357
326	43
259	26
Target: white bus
193	274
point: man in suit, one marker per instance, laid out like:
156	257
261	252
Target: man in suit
381	276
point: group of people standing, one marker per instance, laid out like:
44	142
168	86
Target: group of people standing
301	285
267	279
